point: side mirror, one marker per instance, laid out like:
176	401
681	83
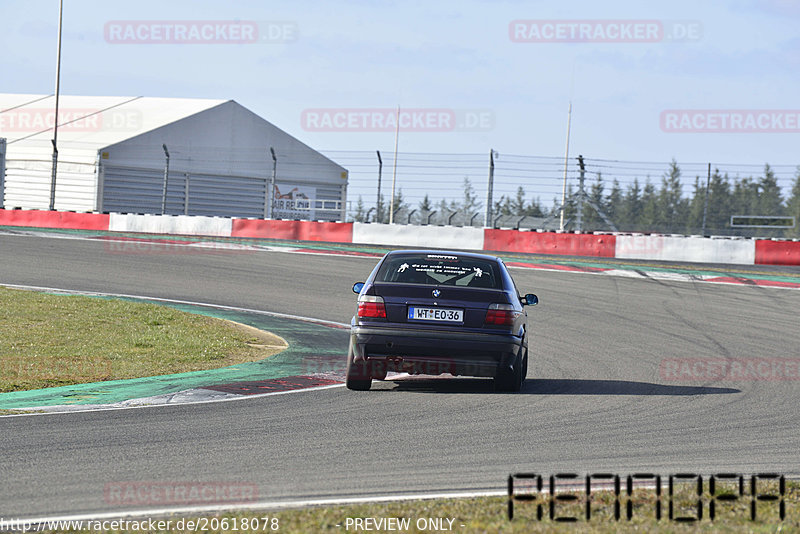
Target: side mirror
530	300
357	287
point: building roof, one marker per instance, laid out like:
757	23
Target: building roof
106	135
87	123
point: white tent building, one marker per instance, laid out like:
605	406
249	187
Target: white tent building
112	158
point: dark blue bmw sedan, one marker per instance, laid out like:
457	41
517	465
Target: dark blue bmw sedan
433	312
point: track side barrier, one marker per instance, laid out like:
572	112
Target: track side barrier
54	219
170	224
465	238
644	247
330	232
690	249
777	252
602	245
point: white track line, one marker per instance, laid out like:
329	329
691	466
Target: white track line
220	245
264	505
112	407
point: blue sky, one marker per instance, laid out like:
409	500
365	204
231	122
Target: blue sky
455	56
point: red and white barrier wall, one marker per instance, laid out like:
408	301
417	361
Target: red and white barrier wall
170	225
770	252
293	230
465	238
54	219
602	245
679	248
645	247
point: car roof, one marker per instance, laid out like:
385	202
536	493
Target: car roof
445	252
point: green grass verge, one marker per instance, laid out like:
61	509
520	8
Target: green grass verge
489	515
56	340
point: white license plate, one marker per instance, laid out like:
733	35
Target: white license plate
447	315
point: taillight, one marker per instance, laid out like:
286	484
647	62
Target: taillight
501	314
371	306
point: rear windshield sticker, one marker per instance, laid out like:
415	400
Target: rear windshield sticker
450	270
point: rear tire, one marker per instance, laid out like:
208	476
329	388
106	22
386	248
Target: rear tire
511	381
357	376
524	371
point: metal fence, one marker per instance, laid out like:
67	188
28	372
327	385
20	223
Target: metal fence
526	192
28	184
452	189
130	189
2	171
140	190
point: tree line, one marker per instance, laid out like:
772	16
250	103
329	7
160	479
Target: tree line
642	206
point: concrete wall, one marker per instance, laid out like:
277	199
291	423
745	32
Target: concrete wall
419	236
680	248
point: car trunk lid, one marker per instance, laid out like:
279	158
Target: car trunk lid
473	303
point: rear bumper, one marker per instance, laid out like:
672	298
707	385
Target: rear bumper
435	352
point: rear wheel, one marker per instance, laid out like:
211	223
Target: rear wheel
357	376
523	370
512	380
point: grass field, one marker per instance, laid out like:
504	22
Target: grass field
55	340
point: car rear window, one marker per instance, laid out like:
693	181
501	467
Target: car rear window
440	269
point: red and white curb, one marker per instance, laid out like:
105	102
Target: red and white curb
189	396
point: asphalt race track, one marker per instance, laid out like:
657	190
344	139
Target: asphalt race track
595	400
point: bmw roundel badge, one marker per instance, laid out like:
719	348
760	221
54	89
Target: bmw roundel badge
436	293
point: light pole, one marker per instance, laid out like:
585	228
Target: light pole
2	171
55	122
705	202
394	171
566	165
378	206
166	179
489	191
270	200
